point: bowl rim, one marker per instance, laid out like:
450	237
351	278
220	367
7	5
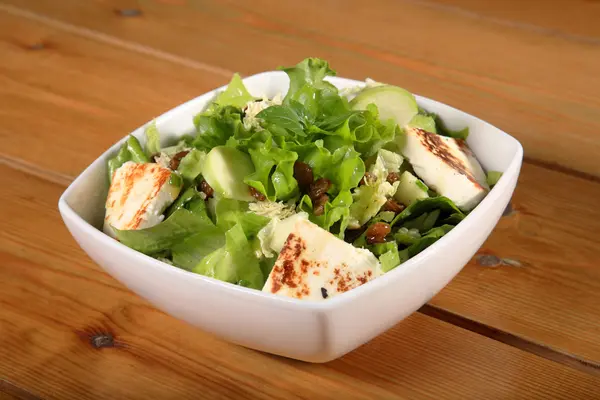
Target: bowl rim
68	213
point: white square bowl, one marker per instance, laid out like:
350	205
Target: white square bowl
309	331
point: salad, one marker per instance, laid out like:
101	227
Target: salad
307	194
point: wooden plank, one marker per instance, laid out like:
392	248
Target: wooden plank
548	290
58	308
538	87
536	235
66	99
574	19
8	391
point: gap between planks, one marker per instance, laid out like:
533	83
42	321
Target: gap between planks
15	392
587	366
507	338
162	55
446	316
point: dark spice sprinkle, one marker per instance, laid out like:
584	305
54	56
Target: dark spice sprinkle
324	293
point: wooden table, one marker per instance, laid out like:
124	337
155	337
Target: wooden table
77	75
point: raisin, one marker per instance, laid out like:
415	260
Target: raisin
319	204
318	188
393	177
303	174
377	232
392	206
206	189
368	177
174	164
256	194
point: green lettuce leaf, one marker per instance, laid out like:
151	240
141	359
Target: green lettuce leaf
368	200
185	197
235	94
284	117
390	161
425	241
198	252
152	139
382	248
423	222
440	126
493	177
135	150
456	134
190	166
452	219
419	207
235	262
370	197
425	122
117	161
216	265
274	172
388	255
362	129
407	236
266	265
234	212
215	127
163	236
310	72
308	87
390	259
344	167
335	211
191	251
184	144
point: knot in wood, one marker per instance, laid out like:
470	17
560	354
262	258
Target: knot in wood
102	340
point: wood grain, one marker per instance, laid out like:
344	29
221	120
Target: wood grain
8	391
65	99
547	233
552	294
573	19
76	77
513	77
55	301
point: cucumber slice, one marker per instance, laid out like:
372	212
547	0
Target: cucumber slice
410	189
225	169
392	101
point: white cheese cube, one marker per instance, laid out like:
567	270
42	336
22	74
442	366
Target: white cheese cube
138	196
315	265
446	165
